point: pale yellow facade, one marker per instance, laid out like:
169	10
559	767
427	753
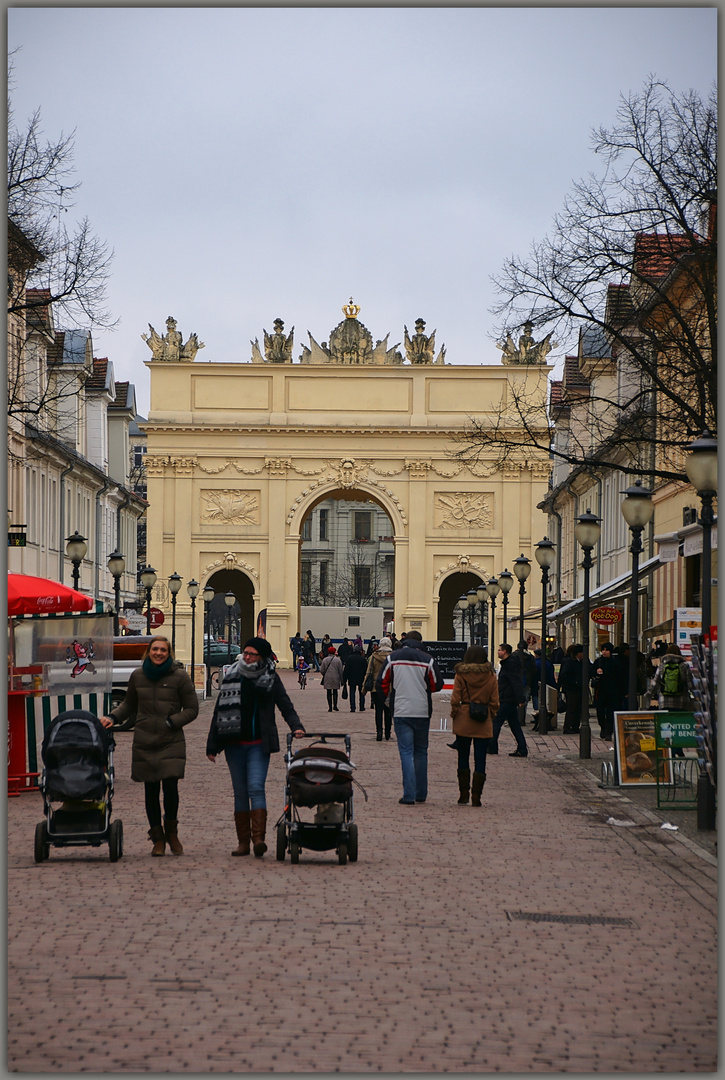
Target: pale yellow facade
238	454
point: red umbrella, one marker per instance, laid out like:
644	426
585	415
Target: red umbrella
39	596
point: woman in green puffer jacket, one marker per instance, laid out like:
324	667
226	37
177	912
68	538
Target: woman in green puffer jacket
162	699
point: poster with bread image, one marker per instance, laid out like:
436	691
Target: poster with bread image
634	738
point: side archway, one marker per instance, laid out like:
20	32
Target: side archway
449	618
243	618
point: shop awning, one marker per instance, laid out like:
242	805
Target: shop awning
614	589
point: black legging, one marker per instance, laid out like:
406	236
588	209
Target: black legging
152	793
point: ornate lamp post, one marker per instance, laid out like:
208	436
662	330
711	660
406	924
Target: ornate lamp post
506	581
587	532
462	605
472	601
701	468
637	510
174	586
230	600
193	590
545	555
116	565
522	569
483	600
493	589
75	549
148	580
207	596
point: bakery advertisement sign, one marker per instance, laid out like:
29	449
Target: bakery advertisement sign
635	749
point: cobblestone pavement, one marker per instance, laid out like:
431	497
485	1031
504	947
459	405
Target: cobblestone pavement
527	936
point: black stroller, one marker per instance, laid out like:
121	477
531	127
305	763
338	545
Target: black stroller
77	755
318	776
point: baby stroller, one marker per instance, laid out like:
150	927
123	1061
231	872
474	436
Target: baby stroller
77	755
318	776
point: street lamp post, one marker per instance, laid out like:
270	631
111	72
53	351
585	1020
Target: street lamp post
506	581
207	596
174	586
116	565
193	590
230	600
701	468
482	599
522	569
637	510
148	580
75	549
545	555
462	605
493	589
472	600
587	532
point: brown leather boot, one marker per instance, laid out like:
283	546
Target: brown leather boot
172	838
477	782
464	783
156	833
259	830
243	826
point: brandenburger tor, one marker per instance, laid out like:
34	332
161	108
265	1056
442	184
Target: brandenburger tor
239	453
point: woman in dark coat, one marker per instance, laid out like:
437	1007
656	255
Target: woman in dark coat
162	698
244	727
353	673
309	650
475	680
571	683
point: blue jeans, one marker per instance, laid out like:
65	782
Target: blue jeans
480	749
509	711
412	735
248	766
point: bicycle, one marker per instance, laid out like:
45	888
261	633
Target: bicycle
302	679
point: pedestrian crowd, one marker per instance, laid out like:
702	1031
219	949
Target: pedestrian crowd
400	677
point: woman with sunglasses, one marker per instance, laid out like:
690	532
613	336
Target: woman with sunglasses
244	727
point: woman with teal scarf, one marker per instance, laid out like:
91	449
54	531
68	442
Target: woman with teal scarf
161	699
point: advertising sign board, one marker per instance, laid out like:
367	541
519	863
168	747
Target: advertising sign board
446	654
635	749
687	624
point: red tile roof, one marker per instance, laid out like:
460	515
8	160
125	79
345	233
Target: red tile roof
656	253
97	380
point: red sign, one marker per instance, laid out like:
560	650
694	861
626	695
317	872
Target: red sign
156	617
606	616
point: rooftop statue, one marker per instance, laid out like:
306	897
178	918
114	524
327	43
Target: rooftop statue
277	347
528	351
420	349
169	345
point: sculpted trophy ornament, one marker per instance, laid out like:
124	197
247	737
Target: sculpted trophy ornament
277	346
420	348
169	346
528	350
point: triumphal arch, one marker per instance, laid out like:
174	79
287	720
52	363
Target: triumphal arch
240	452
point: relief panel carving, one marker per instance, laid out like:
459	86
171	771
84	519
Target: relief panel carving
229	507
463	510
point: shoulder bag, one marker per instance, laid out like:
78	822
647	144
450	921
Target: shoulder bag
477	710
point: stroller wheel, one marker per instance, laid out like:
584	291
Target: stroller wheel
352	842
342	854
294	853
281	841
42	845
115	840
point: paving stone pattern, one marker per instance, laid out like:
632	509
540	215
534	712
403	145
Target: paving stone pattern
410	960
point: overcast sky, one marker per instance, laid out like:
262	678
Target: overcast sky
252	163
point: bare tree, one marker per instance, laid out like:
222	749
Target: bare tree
631	267
358	577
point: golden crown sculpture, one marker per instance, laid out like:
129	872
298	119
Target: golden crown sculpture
351	310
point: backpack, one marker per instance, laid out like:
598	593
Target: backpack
672	680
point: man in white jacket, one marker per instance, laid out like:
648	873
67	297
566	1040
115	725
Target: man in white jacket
410	677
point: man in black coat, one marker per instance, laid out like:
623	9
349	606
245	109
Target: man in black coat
528	669
353	673
511	696
611	688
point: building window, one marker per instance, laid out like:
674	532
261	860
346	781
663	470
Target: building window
323	577
323	524
305	582
362	581
362	525
139	452
307	529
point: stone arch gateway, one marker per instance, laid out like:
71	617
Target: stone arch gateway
239	452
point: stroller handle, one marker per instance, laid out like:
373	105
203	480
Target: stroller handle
321	735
